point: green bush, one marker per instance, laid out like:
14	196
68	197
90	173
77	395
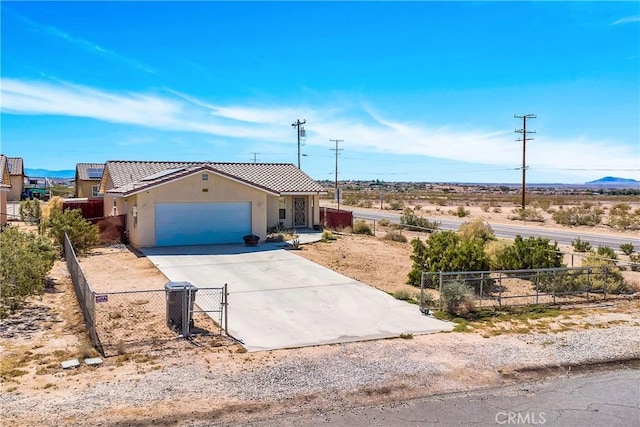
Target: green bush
462	212
608	277
82	234
533	252
403	295
607	252
396	205
361	227
580	245
627	248
26	261
30	211
395	236
457	298
476	229
527	214
579	215
410	218
635	262
446	251
327	235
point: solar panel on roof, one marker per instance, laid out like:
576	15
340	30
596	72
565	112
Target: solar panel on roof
94	173
161	174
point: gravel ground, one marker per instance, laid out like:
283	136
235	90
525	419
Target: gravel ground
250	386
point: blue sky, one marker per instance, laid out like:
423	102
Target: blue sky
418	91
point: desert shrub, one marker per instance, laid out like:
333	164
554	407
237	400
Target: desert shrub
350	200
476	229
396	205
497	209
361	227
585	214
384	222
533	252
54	204
30	211
26	261
275	237
543	204
622	218
395	237
446	251
580	245
627	248
607	252
527	214
365	204
493	249
403	295
485	207
410	218
457	298
327	235
634	262
462	212
82	234
607	276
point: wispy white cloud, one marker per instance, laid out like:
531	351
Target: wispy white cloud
363	128
83	43
626	20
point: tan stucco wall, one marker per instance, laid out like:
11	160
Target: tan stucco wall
189	190
273	210
17	187
3	207
85	188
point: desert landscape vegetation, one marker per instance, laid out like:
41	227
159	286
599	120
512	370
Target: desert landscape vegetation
150	377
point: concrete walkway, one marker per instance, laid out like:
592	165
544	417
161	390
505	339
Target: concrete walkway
280	300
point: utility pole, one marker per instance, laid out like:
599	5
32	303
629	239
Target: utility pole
524	140
255	157
298	125
337	154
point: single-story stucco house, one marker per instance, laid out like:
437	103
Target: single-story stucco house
5	188
16	174
200	203
88	176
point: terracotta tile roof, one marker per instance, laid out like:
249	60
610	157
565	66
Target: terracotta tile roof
89	171
280	178
4	166
16	166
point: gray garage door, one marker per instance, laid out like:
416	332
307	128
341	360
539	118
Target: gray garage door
180	224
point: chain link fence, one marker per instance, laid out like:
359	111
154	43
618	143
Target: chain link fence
498	289
146	320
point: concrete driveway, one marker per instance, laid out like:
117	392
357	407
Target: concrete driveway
278	299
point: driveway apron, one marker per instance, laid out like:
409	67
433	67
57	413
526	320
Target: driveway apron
280	300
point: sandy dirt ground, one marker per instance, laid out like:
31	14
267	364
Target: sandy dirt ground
152	378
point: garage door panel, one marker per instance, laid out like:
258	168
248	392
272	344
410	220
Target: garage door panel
179	224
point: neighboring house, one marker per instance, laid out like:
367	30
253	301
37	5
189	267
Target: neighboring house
198	203
88	176
16	172
5	188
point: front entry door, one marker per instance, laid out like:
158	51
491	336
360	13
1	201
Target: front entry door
299	211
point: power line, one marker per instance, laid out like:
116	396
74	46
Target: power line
301	133
524	138
337	150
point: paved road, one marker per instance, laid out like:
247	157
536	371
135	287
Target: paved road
510	231
605	399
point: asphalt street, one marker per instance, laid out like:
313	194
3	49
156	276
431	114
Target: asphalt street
608	399
510	231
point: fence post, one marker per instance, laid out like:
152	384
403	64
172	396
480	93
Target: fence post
500	290
537	285
422	290
553	293
225	297
185	311
440	286
481	286
605	270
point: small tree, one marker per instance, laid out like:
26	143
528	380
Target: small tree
30	211
26	261
82	234
476	229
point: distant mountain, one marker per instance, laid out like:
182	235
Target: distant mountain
70	173
609	180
